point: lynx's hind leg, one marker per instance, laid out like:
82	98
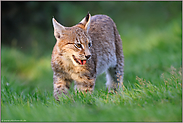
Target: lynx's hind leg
115	74
114	79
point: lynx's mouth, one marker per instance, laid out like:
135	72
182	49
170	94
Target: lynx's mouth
81	62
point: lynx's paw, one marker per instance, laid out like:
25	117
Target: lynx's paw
60	90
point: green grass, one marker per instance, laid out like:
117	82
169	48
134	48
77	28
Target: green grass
144	102
152	88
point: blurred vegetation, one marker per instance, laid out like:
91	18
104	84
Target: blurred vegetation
28	26
145	102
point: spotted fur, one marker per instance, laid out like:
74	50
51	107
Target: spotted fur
84	51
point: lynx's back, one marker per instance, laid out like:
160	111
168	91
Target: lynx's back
107	48
103	42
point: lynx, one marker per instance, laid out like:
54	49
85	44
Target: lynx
84	51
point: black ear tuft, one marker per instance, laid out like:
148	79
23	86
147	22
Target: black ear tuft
87	17
85	22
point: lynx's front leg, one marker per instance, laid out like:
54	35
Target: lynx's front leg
86	85
61	86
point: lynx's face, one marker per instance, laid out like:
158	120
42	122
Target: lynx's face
75	46
73	43
81	51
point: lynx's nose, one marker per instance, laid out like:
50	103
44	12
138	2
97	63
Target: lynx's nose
88	56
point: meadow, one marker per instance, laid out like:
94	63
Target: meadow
152	89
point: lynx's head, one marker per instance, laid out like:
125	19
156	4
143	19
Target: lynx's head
73	43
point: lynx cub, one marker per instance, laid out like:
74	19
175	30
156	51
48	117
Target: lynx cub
84	51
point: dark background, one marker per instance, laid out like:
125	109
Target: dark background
28	25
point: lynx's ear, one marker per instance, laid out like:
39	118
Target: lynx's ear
86	22
58	29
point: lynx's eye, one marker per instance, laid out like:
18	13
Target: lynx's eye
78	45
89	44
